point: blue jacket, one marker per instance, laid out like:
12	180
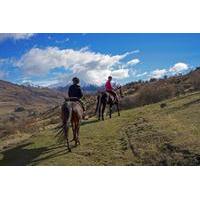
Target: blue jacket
75	91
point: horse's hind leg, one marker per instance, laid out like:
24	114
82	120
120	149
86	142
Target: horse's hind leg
74	131
66	136
78	128
99	114
118	109
75	136
110	110
97	106
103	110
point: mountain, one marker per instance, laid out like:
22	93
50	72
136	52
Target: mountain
13	95
87	88
30	84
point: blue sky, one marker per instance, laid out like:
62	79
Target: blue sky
53	59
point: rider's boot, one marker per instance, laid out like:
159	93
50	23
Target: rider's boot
85	117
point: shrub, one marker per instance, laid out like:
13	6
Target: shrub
196	80
129	92
152	80
154	93
19	109
129	102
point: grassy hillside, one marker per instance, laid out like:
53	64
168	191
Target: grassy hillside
148	135
13	95
19	104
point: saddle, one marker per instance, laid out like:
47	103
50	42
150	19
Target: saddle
111	98
72	99
75	99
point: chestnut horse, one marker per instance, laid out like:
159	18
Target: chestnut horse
71	112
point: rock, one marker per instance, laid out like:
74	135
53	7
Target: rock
162	105
12	118
19	109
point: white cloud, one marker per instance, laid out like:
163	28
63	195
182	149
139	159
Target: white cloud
179	67
62	41
158	73
2	75
142	74
97	76
120	73
3	60
133	62
91	67
15	36
136	51
44	83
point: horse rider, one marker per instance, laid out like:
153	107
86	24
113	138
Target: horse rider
76	91
110	89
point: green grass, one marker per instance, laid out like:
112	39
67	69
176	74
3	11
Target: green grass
148	135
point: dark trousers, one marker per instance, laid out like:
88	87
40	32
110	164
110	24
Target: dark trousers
113	93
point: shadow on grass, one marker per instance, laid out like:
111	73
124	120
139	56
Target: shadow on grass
184	96
23	155
183	106
89	122
196	101
95	120
85	122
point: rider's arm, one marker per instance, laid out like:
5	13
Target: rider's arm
80	93
70	92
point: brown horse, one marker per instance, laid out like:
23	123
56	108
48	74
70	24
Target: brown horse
71	112
105	98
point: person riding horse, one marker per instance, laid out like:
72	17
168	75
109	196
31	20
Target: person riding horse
110	89
72	112
108	97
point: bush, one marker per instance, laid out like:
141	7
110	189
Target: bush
129	92
154	93
19	109
196	80
129	102
149	93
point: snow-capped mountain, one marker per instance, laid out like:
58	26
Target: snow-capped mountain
87	88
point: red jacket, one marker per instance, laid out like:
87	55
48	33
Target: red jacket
108	86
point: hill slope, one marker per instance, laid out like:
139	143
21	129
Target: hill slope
148	135
12	95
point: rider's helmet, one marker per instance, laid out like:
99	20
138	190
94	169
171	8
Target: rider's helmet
75	80
110	78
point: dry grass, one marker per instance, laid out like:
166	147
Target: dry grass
147	135
154	93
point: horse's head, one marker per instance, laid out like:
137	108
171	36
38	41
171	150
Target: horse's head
120	91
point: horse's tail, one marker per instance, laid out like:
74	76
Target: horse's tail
66	114
66	117
98	103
